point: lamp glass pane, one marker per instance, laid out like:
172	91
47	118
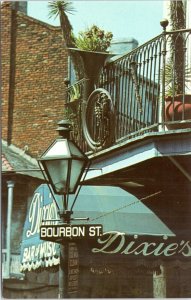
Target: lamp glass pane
74	150
76	170
58	171
60	148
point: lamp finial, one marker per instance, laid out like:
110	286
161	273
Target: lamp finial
164	23
64	128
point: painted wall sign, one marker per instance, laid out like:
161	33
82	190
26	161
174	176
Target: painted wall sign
118	243
59	233
36	253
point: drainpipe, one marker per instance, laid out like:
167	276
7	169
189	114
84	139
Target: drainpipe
12	72
10	185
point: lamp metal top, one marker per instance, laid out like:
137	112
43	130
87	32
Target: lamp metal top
64	128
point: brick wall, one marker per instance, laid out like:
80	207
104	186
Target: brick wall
34	65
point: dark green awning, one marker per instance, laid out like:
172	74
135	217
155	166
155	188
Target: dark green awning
117	210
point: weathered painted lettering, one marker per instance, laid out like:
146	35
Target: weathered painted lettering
39	213
116	242
113	236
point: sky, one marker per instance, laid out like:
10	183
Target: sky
124	18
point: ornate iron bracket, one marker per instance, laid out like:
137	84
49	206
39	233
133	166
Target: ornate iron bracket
98	120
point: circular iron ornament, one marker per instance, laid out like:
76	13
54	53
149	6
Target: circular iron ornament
98	120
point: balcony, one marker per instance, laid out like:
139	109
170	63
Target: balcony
146	91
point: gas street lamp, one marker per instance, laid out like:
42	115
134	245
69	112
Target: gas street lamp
63	163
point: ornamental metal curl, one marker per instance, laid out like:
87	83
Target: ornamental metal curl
98	120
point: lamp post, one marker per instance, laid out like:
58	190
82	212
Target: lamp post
63	164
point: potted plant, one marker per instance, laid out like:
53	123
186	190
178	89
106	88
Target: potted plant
94	39
91	46
89	50
177	103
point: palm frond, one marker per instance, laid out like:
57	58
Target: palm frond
58	7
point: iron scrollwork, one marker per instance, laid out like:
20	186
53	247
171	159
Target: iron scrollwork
98	120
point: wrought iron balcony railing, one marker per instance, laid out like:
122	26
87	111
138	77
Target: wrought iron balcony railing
146	90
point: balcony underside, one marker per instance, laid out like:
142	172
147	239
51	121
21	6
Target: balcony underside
154	168
143	160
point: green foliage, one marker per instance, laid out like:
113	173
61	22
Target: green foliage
56	7
94	39
60	9
171	81
75	93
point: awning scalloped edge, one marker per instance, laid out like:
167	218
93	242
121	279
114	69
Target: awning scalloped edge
42	263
